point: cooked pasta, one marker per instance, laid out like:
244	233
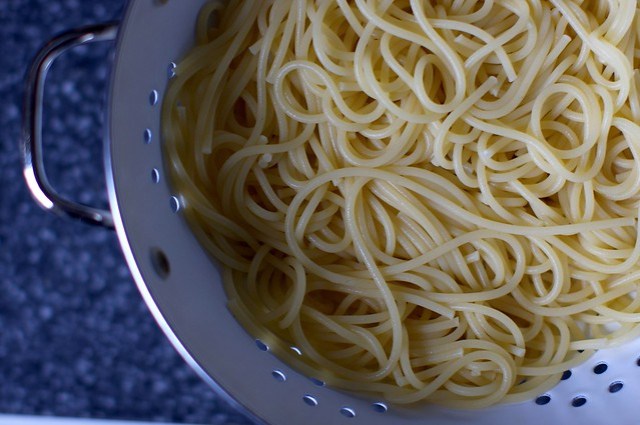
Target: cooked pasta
430	200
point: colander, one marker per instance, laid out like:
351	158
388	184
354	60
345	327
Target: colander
181	283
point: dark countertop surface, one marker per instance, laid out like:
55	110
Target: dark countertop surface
75	337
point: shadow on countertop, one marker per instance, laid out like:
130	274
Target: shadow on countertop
75	336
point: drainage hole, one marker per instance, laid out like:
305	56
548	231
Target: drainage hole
160	263
154	97
279	375
148	136
175	204
172	70
579	401
600	368
543	399
310	400
614	387
348	412
380	407
261	345
318	382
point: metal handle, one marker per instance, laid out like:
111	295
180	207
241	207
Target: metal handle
33	165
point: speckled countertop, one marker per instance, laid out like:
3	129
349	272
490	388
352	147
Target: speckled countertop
75	336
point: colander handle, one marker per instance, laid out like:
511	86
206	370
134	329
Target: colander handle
31	143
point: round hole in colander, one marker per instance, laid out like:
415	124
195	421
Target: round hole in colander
579	401
614	387
279	375
310	400
600	368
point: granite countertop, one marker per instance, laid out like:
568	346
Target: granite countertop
75	337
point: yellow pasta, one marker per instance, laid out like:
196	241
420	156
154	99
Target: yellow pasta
430	200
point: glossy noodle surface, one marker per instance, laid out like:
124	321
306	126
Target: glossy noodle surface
432	200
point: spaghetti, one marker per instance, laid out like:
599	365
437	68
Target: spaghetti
431	200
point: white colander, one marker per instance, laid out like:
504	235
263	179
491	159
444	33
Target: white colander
181	284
